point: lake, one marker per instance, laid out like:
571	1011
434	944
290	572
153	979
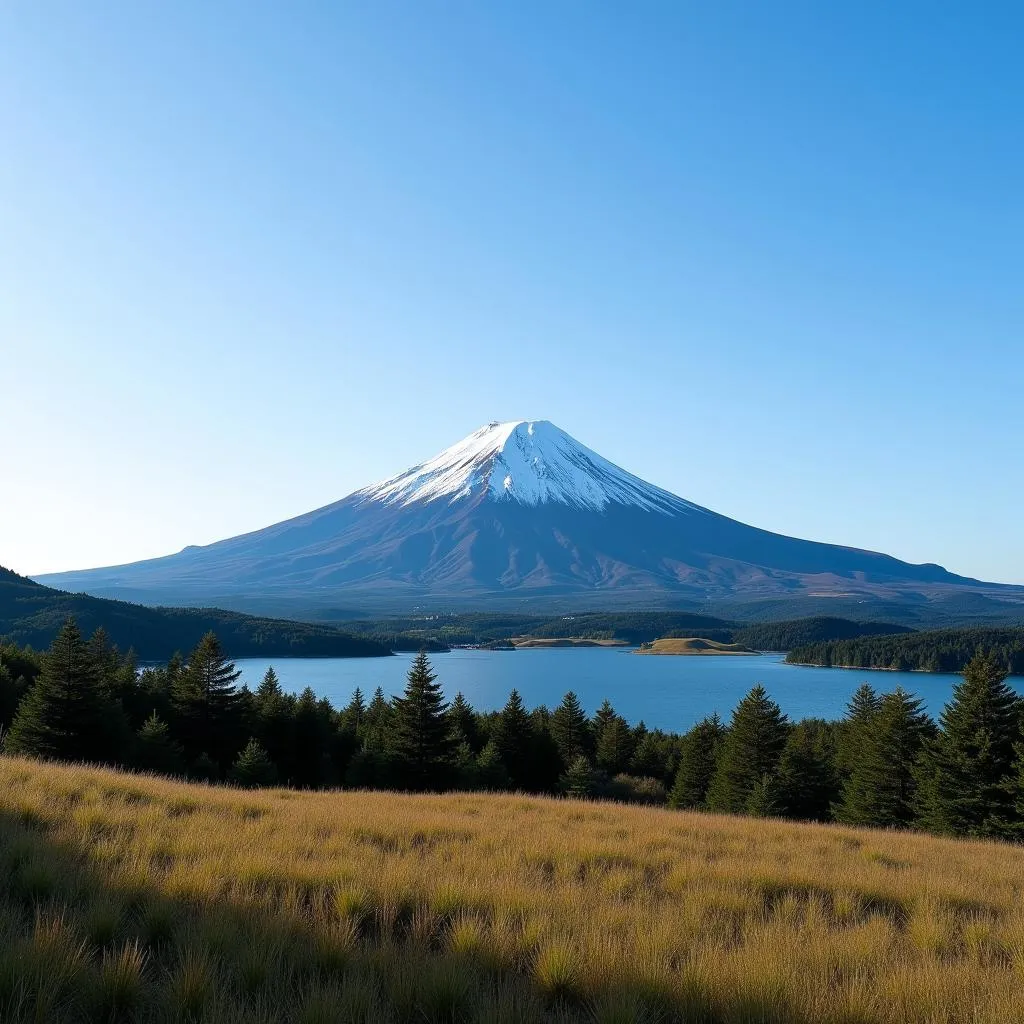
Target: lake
666	692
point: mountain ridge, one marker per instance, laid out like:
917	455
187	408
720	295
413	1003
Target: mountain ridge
515	512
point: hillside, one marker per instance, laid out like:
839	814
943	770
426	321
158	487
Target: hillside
784	636
125	897
942	650
32	614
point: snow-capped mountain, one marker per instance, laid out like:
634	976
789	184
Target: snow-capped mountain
514	512
531	463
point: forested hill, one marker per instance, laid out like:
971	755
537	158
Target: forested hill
784	636
942	650
32	614
638	627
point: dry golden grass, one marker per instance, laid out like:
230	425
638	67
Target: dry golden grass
125	897
691	645
527	642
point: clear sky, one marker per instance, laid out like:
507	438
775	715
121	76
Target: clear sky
256	255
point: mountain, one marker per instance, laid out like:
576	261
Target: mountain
32	614
517	513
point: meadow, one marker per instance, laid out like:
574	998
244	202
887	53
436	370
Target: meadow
127	897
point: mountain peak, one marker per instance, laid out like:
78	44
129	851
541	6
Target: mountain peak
531	462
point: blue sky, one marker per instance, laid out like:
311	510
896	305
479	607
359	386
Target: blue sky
769	256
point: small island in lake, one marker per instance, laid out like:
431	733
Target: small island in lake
681	645
565	641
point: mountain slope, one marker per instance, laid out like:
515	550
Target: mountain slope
515	512
32	614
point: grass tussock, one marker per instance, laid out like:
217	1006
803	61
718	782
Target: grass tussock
131	899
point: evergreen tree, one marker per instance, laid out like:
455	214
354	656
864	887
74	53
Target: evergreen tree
698	756
579	780
602	719
205	702
860	714
650	758
312	729
421	738
764	800
491	773
751	750
806	780
377	728
273	720
967	771
269	693
204	769
615	747
512	734
65	715
105	660
156	751
253	767
463	721
881	789
464	772
569	729
354	715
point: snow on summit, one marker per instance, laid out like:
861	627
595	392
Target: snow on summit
531	462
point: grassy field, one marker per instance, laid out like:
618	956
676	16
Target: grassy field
694	645
130	898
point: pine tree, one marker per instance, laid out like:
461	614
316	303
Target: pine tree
579	780
967	771
65	714
463	722
512	734
205	702
806	779
312	728
273	720
751	750
491	773
156	751
253	767
569	729
269	693
764	800
650	757
602	719
698	756
615	747
204	769
354	715
464	775
860	713
377	727
881	789
422	738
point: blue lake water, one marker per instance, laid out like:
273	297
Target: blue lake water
665	692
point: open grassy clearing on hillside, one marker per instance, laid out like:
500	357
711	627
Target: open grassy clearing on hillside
131	898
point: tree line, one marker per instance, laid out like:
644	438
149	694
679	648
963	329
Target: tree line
885	764
939	650
32	614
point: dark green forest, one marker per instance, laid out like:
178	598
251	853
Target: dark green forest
886	763
31	614
489	629
942	650
784	636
